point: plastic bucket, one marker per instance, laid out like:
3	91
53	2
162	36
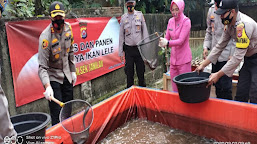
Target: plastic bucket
192	87
30	127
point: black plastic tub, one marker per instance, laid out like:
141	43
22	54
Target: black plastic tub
192	87
30	127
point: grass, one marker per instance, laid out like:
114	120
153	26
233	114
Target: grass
197	52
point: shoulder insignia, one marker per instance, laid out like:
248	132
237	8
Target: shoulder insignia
242	39
45	44
52	30
70	27
212	17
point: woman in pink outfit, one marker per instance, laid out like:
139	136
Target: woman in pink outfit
177	37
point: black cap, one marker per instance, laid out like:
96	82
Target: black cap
56	8
226	5
218	3
130	1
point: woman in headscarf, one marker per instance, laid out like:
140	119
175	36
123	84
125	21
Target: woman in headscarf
177	37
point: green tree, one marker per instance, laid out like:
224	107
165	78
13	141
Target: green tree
20	8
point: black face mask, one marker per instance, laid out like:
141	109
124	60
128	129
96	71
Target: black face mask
227	20
58	24
130	8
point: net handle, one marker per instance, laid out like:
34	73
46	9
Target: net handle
140	42
61	104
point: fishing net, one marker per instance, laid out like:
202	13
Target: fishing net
149	49
76	118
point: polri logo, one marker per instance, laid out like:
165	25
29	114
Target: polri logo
83	29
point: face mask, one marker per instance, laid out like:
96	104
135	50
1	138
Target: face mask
227	20
58	24
130	8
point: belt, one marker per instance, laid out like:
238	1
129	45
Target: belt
130	46
254	56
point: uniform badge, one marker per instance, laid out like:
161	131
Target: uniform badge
242	38
45	44
68	50
83	30
212	17
67	34
239	30
137	17
170	29
57	56
57	6
54	40
138	27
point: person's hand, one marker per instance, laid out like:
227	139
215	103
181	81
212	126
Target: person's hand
49	93
122	58
213	79
163	42
74	77
199	69
205	53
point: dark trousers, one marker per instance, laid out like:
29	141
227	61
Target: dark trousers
132	56
247	81
224	84
62	92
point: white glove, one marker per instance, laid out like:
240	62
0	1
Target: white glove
163	42
74	77
49	93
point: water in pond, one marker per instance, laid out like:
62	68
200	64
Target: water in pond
147	132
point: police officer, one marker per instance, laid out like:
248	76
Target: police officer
132	30
214	31
56	60
243	29
6	127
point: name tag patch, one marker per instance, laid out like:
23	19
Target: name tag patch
242	39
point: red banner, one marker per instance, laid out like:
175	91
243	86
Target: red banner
96	42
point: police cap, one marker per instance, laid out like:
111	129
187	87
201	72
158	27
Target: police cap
56	8
130	1
226	5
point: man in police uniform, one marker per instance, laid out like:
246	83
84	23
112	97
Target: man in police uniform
7	130
56	60
213	34
243	29
6	127
132	30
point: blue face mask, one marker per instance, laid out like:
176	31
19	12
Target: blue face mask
227	20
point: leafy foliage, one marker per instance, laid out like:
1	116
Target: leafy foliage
26	8
153	6
20	8
46	4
